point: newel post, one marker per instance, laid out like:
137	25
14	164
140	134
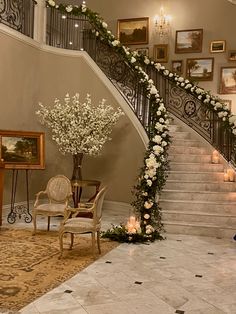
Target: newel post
40	21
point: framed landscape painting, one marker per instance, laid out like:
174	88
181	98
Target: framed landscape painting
133	31
188	41
160	53
22	150
200	69
218	46
228	80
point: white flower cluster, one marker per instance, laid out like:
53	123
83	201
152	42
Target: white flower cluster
79	127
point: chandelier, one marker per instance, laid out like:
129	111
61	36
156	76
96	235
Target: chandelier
162	24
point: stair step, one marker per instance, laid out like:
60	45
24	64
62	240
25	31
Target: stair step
180	149
198	195
187	158
210	230
200	186
226	220
195	176
174	128
180	135
203	206
186	143
196	167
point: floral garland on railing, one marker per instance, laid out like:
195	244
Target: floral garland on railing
153	173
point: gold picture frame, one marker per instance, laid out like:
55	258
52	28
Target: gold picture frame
177	66
22	149
217	46
200	69
133	31
188	41
160	53
228	80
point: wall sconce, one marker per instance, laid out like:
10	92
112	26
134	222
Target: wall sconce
162	24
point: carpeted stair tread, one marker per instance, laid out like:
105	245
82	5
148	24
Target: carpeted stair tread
197	192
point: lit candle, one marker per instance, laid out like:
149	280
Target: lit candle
230	173
226	177
215	157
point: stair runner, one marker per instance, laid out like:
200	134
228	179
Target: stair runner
196	200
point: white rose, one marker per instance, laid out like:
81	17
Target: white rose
153	90
115	42
148	205
51	3
133	60
104	24
149	182
146	216
234	131
158	113
232	119
69	8
157	139
146	60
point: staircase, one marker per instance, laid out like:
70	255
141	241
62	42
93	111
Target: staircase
196	200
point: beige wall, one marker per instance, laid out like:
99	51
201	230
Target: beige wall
216	17
29	75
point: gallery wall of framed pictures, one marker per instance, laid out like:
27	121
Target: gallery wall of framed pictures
192	55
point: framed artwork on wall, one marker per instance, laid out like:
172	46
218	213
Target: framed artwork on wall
188	41
200	69
228	80
177	66
22	149
160	53
133	31
141	50
218	46
232	55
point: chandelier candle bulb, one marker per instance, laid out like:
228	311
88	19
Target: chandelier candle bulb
215	157
230	173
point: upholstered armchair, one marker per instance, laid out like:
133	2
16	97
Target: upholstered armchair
81	225
58	193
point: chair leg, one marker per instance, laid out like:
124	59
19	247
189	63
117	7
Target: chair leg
98	242
49	223
93	244
71	240
34	223
61	242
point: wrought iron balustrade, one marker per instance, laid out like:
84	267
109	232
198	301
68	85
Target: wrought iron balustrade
194	113
67	31
76	32
19	15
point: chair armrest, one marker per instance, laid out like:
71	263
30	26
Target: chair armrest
38	196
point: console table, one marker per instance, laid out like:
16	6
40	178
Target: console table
77	187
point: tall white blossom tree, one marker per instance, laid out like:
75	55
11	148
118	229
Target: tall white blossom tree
79	127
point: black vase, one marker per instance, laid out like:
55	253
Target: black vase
77	165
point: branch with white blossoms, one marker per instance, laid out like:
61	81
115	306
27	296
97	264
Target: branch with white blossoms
79	127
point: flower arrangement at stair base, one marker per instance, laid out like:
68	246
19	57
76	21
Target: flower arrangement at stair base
152	175
79	127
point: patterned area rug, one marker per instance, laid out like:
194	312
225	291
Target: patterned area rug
30	265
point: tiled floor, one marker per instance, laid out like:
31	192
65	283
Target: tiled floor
182	274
